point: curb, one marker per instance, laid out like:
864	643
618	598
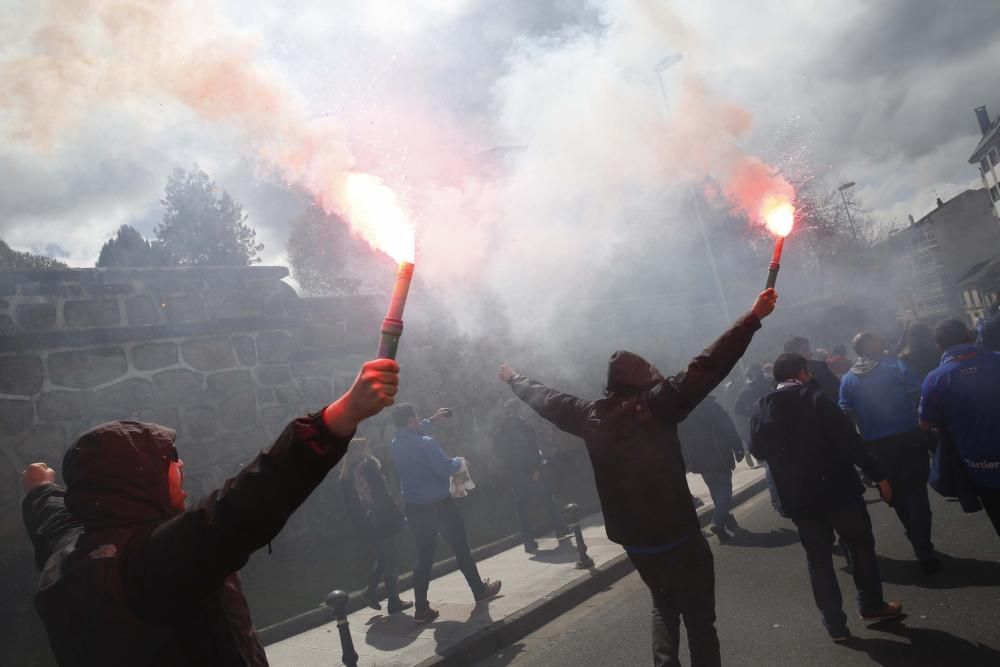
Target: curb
526	620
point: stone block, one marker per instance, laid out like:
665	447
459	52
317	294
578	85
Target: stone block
6	324
274	347
15	416
161	415
275	415
46	443
316	391
123	399
235	306
60	405
288	395
21	374
199	423
228	382
110	289
153	356
177	383
322	368
97	313
238	411
34	316
265	396
188	308
271	375
87	368
141	311
208	354
46	288
321	335
246	353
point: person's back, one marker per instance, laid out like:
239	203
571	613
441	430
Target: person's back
879	393
424	470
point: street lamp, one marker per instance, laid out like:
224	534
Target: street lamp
843	197
662	66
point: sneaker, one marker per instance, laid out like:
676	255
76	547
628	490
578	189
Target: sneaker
425	615
531	547
397	606
885	612
720	532
371	602
931	566
490	589
840	636
731	524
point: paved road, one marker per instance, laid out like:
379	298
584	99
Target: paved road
766	613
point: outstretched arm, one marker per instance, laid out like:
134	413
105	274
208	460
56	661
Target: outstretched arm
193	553
677	396
49	524
566	411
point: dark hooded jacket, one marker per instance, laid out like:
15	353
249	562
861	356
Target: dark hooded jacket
811	448
709	439
631	436
128	581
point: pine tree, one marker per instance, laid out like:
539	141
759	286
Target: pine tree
129	248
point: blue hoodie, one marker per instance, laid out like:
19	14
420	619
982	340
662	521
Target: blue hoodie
878	394
424	469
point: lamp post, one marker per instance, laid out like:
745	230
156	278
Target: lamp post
843	188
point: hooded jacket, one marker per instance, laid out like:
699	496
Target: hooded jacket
811	448
709	439
128	580
632	437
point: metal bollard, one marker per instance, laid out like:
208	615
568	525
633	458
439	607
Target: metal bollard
337	601
573	519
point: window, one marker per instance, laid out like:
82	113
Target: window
966	299
984	166
975	298
995	193
994	156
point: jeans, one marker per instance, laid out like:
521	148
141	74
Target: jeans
427	521
854	526
682	583
528	494
990	498
385	565
720	486
913	508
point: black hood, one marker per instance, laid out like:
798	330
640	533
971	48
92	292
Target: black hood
628	373
116	474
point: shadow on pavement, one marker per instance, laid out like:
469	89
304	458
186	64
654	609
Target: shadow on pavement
775	538
564	553
391	633
447	633
924	646
958	573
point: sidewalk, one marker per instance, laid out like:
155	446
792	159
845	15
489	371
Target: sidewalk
536	588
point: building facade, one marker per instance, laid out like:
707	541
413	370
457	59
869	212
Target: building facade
987	156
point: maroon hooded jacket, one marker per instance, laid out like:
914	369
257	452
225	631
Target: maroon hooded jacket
127	580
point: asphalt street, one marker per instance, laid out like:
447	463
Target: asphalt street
766	614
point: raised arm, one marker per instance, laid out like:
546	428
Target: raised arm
677	396
566	411
193	553
49	524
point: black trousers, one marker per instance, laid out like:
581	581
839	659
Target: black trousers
990	498
384	566
532	497
682	583
427	521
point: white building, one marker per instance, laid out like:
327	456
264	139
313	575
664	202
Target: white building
987	155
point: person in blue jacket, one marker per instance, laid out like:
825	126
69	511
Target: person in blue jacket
425	484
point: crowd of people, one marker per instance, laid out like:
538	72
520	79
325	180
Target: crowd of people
133	575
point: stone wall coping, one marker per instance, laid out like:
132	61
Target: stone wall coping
95	275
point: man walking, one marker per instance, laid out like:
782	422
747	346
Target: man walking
631	437
132	577
711	448
516	446
881	394
811	448
819	371
424	482
961	399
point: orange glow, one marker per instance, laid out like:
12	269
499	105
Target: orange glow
778	214
374	213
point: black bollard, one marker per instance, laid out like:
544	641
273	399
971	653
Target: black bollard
573	519
337	601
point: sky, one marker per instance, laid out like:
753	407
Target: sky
418	92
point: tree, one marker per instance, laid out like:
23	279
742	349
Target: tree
15	259
202	227
326	259
129	248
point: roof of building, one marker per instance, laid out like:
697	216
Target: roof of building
978	272
943	205
991	137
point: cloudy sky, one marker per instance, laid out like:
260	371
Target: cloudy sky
880	92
